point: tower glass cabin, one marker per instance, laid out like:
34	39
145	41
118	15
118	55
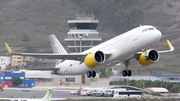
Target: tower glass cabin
82	34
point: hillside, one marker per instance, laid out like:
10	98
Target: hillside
26	24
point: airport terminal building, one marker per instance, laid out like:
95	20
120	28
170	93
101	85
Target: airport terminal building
7	76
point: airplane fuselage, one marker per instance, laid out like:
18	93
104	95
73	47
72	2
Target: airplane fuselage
121	48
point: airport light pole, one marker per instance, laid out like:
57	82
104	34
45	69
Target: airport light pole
80	37
80	50
143	87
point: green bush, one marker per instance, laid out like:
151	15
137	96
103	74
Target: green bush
178	26
169	4
155	93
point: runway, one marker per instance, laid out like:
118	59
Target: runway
7	93
56	95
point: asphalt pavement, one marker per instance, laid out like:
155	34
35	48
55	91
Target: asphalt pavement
8	93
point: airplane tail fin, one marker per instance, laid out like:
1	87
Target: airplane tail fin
56	47
47	97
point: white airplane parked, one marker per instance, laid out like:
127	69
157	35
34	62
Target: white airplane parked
47	97
120	49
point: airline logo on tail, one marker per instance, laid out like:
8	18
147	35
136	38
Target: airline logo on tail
47	97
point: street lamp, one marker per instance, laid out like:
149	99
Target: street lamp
80	37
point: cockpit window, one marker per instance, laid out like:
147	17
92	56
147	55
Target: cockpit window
151	28
146	29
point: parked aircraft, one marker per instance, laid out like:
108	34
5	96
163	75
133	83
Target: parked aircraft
120	49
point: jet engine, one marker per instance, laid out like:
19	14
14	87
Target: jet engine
149	57
94	59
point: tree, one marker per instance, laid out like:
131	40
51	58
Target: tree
139	70
30	49
108	72
175	89
147	69
150	71
25	38
136	15
17	81
102	73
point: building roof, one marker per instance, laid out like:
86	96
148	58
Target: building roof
35	73
158	89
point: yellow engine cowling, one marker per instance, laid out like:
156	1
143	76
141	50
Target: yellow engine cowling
151	56
94	59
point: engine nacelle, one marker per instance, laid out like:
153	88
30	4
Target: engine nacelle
94	59
151	56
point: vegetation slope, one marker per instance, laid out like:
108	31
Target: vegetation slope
26	25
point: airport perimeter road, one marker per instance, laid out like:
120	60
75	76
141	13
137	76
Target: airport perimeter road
37	93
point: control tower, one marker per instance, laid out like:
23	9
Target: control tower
82	34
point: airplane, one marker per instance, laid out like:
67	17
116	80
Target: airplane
47	97
120	49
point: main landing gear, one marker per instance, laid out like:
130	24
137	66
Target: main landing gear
126	72
91	74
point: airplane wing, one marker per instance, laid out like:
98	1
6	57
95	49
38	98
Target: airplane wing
55	69
78	56
171	48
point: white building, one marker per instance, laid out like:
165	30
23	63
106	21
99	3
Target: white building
4	62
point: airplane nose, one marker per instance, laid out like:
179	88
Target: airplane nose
158	35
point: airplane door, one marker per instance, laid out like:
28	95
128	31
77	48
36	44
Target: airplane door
134	36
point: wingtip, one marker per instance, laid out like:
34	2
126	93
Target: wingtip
8	48
170	45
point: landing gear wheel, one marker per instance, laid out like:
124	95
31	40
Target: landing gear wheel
93	74
129	73
89	74
124	73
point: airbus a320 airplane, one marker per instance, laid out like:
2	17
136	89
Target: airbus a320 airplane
121	49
